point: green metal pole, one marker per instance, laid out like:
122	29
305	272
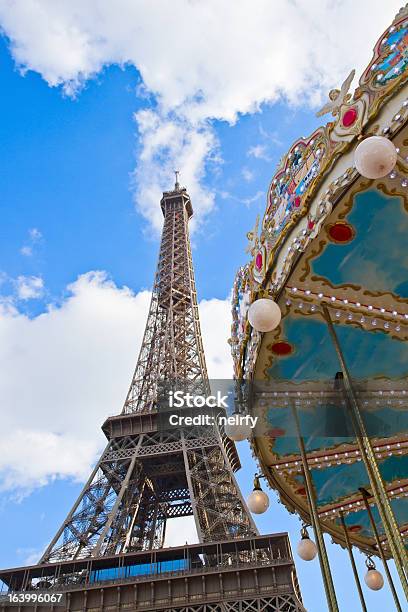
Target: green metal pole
366	495
321	547
353	564
368	456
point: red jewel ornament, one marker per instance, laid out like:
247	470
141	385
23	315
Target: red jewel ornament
341	232
297	201
355	528
258	261
276	432
310	224
349	117
282	348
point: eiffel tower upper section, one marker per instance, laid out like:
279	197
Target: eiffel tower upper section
172	348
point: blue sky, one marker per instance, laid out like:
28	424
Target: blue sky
80	181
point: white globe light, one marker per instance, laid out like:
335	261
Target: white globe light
264	315
374	579
238	430
375	157
258	501
306	549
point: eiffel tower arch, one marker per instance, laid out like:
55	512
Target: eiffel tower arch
109	553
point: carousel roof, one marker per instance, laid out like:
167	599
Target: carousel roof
331	236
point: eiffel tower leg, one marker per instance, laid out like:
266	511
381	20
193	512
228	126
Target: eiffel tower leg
141	523
218	507
158	526
254	528
130	531
191	490
81	530
113	512
73	509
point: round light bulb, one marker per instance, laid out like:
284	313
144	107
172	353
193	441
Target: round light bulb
264	315
239	429
375	157
306	549
258	501
374	580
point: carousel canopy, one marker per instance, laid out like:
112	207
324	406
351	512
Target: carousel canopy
330	236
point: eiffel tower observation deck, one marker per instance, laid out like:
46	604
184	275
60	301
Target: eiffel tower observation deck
109	554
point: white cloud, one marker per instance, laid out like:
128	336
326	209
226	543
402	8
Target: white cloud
34	237
215	317
226	195
254	198
259	151
271	136
29	287
200	60
35	234
27	251
29	556
64	371
169	144
247	174
229	57
181	531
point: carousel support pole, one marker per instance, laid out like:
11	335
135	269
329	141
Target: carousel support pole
390	524
366	495
321	547
353	564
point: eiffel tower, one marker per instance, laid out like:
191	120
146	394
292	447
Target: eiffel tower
109	553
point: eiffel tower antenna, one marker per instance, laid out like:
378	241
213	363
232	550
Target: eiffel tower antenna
109	553
177	186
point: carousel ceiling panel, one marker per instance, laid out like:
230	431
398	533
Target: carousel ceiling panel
317	424
302	350
370	355
340	481
352	253
327	425
358	522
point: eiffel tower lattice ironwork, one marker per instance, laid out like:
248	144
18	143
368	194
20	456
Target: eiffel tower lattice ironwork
148	475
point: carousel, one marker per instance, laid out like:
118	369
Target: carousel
320	325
